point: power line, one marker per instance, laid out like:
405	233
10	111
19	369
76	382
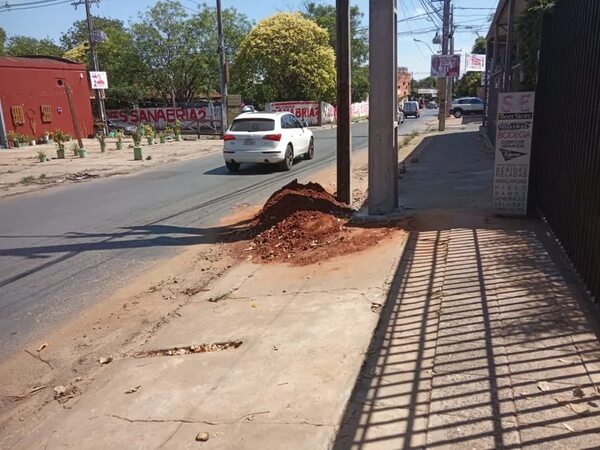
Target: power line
21	6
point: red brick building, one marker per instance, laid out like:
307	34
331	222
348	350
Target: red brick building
404	78
33	99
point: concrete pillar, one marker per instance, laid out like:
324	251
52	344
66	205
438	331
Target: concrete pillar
383	148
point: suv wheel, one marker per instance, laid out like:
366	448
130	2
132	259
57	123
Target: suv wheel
458	113
232	166
310	154
288	162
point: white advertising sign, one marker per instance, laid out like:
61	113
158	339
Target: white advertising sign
98	80
427	91
475	63
513	152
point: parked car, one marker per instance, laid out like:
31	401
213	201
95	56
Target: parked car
411	109
466	105
248	108
117	125
267	138
432	105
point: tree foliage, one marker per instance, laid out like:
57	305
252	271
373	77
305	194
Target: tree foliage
2	40
480	46
179	51
529	29
116	56
29	46
325	17
425	83
468	84
286	57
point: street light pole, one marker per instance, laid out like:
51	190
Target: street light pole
222	68
423	42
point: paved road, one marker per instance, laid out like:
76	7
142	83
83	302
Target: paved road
63	249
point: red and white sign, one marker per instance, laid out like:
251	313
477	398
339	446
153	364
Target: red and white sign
307	110
99	80
514	126
475	63
207	117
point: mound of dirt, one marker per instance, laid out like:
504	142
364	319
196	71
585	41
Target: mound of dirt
297	197
304	224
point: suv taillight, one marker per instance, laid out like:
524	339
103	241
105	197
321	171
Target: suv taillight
229	137
272	137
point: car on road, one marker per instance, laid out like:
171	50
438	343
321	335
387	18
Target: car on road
432	105
117	125
466	105
267	138
411	109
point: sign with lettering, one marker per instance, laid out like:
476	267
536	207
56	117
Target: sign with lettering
514	126
98	80
314	113
192	119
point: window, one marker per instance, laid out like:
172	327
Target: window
476	101
252	125
295	123
46	113
17	115
287	121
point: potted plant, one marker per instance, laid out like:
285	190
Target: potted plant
150	133
60	151
177	130
74	148
169	132
119	136
20	140
42	156
162	137
11	136
137	150
102	140
68	137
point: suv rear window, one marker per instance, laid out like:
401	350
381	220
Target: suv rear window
410	106
253	125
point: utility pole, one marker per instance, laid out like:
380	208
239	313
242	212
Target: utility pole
344	134
223	69
443	85
383	117
92	43
451	43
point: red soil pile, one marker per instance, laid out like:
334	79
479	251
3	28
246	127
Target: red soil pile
303	224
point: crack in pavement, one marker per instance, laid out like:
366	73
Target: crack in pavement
206	422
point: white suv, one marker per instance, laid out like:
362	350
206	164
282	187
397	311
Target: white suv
267	138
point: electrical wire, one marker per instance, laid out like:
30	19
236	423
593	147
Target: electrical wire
19	7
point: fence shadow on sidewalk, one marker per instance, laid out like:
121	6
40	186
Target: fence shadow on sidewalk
481	344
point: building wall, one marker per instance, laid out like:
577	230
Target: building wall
35	85
404	83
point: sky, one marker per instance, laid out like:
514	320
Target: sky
52	21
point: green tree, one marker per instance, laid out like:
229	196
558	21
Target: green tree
117	56
529	30
2	40
425	83
325	17
468	84
479	47
286	57
179	51
29	46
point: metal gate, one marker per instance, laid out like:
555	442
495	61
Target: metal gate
565	166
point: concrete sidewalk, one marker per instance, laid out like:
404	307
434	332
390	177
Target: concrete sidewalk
486	340
289	344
